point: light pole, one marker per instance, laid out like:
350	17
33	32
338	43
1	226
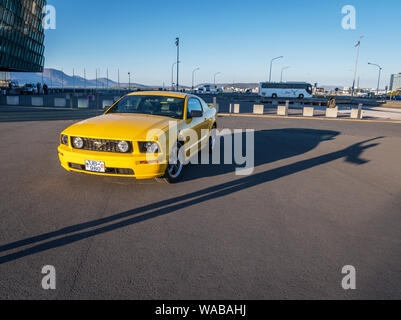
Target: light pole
172	76
380	71
271	65
193	75
217	73
358	45
282	70
177	43
129	81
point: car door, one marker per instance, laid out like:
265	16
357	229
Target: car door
196	124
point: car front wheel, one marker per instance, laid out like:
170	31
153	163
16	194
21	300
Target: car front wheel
174	171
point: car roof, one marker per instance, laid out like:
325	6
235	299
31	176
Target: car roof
160	93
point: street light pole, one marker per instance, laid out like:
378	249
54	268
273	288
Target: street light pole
129	81
193	75
358	45
217	73
172	76
118	75
177	43
107	76
281	78
271	66
380	71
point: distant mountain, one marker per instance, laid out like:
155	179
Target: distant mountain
57	78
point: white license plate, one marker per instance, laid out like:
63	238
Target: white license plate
95	166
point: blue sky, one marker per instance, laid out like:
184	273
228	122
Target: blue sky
236	38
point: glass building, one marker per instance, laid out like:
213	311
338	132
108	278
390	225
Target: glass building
395	81
21	35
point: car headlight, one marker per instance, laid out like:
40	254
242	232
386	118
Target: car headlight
123	146
149	147
64	139
78	142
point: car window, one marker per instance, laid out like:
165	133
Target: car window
193	104
148	104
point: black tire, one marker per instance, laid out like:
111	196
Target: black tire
212	139
301	96
274	95
174	170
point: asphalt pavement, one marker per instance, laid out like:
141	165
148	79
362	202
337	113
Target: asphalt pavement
324	194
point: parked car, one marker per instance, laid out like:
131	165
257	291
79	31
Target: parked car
28	89
13	85
118	143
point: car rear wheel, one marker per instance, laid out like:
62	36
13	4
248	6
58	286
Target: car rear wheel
174	171
212	139
301	96
274	95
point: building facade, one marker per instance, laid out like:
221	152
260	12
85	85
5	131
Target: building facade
4	79
21	35
395	81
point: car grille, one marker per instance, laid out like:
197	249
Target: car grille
102	145
120	171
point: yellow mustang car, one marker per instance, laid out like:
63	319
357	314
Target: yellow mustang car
120	142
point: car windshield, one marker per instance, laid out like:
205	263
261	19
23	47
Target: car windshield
151	104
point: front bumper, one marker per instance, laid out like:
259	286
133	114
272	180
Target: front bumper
143	166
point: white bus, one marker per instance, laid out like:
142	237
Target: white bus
285	90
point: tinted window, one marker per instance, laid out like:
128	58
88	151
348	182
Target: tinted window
285	85
193	104
155	105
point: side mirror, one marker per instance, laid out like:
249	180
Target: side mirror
196	114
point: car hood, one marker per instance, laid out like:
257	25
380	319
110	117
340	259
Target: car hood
119	126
